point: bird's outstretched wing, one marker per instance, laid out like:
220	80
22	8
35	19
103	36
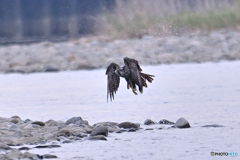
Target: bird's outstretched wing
113	80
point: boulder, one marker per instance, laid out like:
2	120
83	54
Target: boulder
182	123
100	130
128	125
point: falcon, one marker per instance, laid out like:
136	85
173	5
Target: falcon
132	73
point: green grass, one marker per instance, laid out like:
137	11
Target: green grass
134	23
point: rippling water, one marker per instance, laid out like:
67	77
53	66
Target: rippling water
204	94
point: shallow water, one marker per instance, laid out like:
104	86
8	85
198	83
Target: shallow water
204	94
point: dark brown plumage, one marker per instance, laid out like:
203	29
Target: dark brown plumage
132	74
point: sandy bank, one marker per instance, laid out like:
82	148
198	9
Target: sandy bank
87	53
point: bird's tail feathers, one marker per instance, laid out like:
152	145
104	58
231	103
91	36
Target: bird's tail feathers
147	77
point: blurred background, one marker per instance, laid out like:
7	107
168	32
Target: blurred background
33	32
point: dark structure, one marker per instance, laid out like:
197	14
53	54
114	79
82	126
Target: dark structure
132	73
30	20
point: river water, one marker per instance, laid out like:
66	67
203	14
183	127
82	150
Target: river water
204	94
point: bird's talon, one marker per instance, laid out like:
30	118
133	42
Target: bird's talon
134	91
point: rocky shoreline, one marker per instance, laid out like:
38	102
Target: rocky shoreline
15	133
92	52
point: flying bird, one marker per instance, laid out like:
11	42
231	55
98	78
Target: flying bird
132	73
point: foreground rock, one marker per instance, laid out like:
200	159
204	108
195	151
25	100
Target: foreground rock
182	123
149	122
213	125
15	132
100	130
128	125
16	154
89	53
164	121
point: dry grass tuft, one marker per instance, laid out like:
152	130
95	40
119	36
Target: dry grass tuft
135	18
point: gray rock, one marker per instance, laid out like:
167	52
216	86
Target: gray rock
65	132
14	154
48	156
67	141
73	120
17	117
24	148
48	146
112	126
128	125
14	120
121	131
82	123
182	123
14	127
213	125
149	129
31	156
52	123
49	137
36	126
100	130
39	123
164	121
51	69
132	130
4	146
98	137
18	133
27	120
149	122
107	124
77	138
51	129
29	127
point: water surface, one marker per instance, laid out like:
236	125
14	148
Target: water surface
204	94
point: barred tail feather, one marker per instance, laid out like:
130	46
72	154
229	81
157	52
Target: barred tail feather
147	77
